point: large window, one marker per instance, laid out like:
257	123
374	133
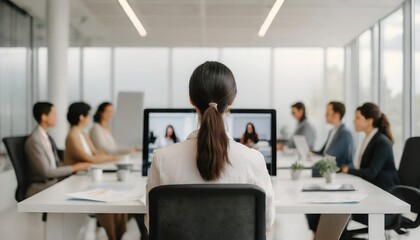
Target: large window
15	71
184	61
392	76
365	67
96	75
266	78
299	76
146	70
334	74
251	68
416	105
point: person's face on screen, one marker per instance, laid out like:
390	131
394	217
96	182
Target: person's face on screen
51	118
249	129
297	114
108	113
361	123
169	132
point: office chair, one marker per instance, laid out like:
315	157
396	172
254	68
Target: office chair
207	212
15	147
408	190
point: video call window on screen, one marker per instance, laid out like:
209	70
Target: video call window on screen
255	128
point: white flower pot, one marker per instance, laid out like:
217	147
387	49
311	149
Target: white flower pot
295	174
329	177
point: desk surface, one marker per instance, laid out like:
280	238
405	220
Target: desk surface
288	196
53	199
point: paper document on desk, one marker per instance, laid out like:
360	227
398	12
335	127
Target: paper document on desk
105	195
339	197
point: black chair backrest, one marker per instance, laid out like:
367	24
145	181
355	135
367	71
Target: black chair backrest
408	171
207	212
16	149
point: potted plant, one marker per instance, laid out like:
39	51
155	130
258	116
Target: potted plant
295	170
327	168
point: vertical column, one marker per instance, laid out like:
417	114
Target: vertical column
58	42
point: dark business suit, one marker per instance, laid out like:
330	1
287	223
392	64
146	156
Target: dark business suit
378	167
341	146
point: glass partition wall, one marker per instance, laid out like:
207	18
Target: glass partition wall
15	72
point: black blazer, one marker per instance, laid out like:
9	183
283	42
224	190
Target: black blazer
377	165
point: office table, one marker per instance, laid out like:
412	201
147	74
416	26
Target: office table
65	217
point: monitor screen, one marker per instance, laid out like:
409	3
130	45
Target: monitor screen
157	122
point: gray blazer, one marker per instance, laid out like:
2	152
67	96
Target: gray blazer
41	174
341	146
305	129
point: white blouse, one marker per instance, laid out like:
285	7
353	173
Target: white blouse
102	140
176	164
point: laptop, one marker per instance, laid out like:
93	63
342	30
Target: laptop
301	147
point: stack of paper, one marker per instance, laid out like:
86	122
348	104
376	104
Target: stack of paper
105	195
325	197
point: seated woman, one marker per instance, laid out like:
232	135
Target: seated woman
250	137
303	128
209	154
103	140
374	158
101	133
79	148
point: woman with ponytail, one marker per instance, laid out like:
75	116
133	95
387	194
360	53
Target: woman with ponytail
374	159
210	155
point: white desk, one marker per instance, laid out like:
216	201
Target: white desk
284	161
65	217
288	197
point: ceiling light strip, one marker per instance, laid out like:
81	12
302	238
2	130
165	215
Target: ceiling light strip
133	18
271	15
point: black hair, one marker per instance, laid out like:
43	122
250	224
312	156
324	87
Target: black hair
300	106
212	89
339	108
380	120
253	136
75	111
41	108
101	109
173	137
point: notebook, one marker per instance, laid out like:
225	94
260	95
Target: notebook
328	188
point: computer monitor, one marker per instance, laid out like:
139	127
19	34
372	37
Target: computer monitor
184	121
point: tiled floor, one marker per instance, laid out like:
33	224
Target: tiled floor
25	226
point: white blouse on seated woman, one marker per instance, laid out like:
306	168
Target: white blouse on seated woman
103	140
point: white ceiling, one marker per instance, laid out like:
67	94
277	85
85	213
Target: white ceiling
222	23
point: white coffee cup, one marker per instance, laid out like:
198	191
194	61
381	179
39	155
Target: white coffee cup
96	174
122	174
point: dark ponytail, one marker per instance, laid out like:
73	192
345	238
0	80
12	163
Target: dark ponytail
212	89
383	124
380	120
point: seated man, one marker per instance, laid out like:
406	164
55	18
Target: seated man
340	141
43	162
339	144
